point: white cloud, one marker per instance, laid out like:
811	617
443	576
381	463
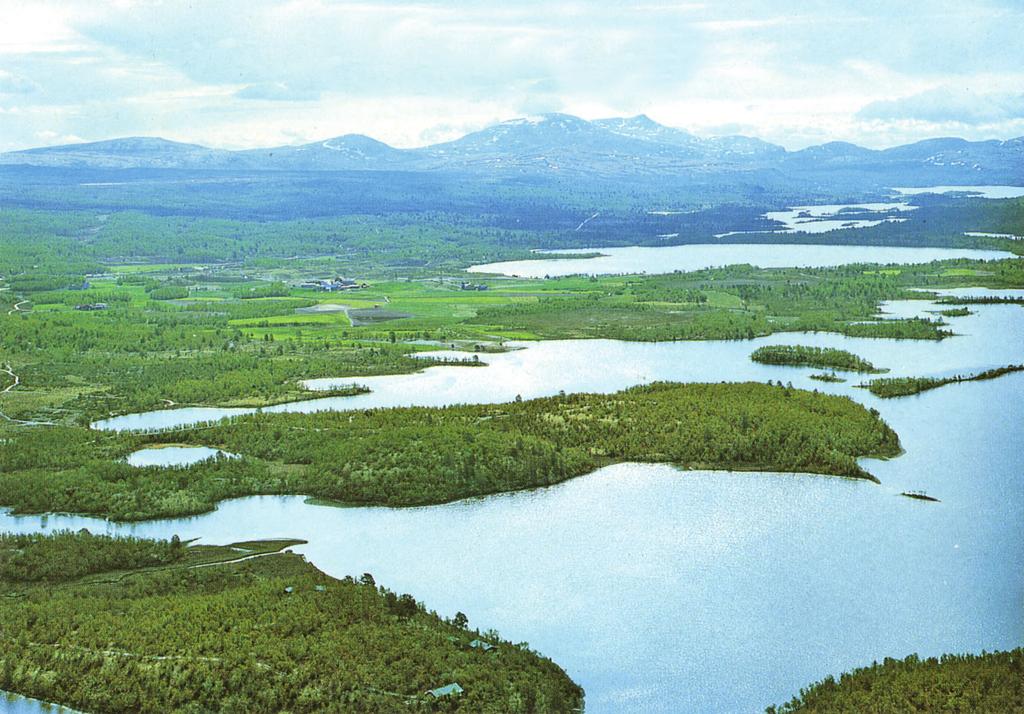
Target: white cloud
946	104
16	84
253	72
277	92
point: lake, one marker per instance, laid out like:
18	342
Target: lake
541	369
825	218
797	219
174	455
667	259
664	591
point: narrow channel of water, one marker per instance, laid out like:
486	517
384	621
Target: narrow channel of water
545	368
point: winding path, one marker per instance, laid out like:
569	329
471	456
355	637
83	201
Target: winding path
17	380
17	307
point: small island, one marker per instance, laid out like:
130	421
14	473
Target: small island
919	496
827	377
890	387
803	356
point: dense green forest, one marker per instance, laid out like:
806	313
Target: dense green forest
65	555
889	387
742	302
246	333
413	456
267	634
989	683
803	356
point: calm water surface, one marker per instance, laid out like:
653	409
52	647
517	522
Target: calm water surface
174	455
668	259
825	218
543	368
797	219
14	704
668	591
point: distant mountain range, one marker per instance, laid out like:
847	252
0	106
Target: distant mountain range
560	144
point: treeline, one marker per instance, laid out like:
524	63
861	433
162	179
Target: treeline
64	555
169	292
802	356
983	300
991	682
374	240
888	388
78	297
423	455
914	328
271	634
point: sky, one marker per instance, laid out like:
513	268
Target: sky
253	73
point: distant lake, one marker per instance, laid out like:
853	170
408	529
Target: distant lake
668	259
668	591
825	218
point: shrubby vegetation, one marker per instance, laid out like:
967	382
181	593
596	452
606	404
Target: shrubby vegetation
802	356
114	361
990	683
422	455
65	555
230	638
887	388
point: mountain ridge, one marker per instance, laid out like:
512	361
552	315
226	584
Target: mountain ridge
550	143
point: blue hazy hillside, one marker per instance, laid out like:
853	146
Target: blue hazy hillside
561	144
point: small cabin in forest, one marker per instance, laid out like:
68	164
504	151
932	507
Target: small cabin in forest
448	690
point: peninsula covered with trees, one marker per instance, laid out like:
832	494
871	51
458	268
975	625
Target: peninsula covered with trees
244	628
989	683
889	387
423	455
